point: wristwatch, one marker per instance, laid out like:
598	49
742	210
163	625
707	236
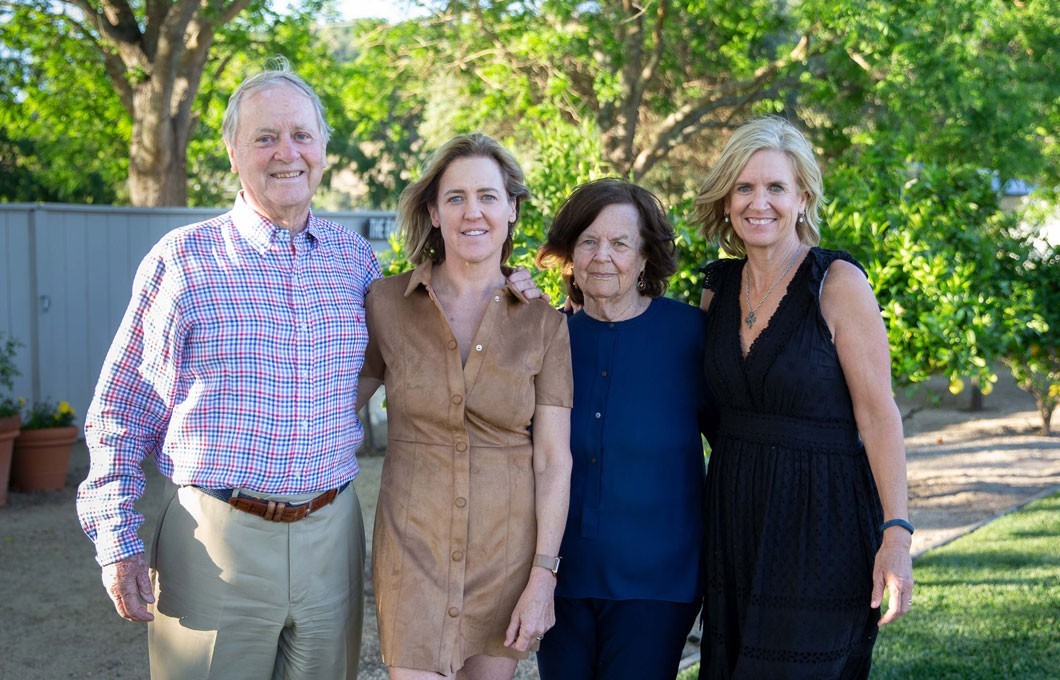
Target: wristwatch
547	562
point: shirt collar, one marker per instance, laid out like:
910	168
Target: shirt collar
262	234
422	277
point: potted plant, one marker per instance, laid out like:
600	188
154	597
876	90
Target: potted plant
9	410
42	448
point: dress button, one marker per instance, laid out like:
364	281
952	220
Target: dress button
457	399
461	446
454	612
478	348
598	414
452	344
457	555
461	502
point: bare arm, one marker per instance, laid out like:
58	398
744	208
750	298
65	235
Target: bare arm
705	299
860	337
535	612
366	387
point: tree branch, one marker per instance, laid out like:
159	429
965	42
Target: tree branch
690	118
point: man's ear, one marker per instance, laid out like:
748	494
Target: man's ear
231	158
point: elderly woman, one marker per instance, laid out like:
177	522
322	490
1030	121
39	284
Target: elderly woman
471	510
806	506
629	587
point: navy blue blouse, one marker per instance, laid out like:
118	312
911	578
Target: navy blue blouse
634	530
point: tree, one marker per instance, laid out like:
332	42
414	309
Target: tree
1033	355
147	60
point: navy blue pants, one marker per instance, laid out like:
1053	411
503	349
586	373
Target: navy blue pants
615	639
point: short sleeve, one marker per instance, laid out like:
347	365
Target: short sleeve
554	384
822	259
374	366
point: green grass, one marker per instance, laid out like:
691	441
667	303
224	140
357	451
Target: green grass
986	606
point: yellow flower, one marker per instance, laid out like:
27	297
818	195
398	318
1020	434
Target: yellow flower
64	408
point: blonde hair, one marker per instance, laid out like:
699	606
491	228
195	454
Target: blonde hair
422	241
767	133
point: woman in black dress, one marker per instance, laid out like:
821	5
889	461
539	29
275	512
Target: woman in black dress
806	501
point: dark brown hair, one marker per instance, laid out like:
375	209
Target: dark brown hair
580	210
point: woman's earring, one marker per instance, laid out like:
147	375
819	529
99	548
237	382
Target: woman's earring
642	285
726	218
802	218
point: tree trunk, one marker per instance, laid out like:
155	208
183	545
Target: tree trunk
976	403
157	170
1045	410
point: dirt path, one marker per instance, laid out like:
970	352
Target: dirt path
56	622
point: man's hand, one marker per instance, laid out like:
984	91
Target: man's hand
524	283
129	587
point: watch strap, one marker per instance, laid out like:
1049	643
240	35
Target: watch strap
547	562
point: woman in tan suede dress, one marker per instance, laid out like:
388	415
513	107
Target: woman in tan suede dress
468	503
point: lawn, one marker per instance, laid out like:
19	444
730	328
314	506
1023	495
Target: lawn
986	606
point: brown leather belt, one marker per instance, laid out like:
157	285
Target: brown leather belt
275	511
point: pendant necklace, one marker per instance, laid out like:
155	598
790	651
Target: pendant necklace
751	318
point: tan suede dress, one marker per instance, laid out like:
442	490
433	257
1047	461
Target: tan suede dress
455	527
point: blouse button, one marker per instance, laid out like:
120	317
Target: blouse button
598	414
461	446
603	373
452	344
457	399
497	298
457	555
461	502
478	348
454	612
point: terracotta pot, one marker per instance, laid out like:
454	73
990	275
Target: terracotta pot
41	458
8	431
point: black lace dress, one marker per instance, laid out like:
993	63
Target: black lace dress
792	513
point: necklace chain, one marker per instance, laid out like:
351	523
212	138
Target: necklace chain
751	318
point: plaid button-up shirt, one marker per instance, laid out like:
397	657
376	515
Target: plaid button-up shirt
236	365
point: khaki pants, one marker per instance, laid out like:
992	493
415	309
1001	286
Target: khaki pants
241	597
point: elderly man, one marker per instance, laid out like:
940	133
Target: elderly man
236	365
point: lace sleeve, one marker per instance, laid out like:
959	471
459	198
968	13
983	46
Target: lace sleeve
712	274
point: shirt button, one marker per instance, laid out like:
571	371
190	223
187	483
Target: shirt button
497	298
478	348
593	461
598	414
305	424
461	502
611	325
453	612
452	344
603	373
461	446
457	399
457	555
